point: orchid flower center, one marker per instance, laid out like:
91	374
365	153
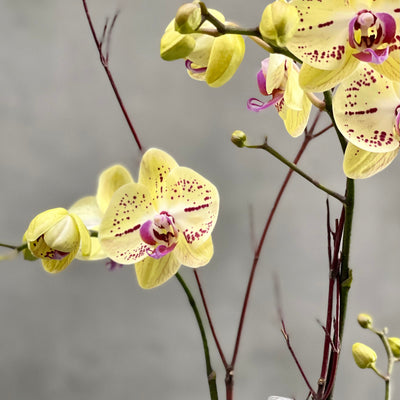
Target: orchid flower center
371	34
160	232
51	253
189	66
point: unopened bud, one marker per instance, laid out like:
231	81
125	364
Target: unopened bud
364	320
363	355
279	22
174	45
238	138
188	18
394	344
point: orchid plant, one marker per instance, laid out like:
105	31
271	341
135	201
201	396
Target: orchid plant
341	58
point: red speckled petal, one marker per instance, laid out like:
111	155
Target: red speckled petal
155	166
119	232
364	107
322	33
194	255
193	202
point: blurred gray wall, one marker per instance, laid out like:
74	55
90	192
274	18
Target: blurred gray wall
91	334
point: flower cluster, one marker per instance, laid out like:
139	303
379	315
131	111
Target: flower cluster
352	47
159	223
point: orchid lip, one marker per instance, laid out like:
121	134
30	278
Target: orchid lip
256	105
372	34
57	255
188	65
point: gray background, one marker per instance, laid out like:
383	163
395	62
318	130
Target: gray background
88	333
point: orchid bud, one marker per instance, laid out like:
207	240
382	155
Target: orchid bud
55	236
174	45
364	320
239	138
279	22
394	344
363	355
188	18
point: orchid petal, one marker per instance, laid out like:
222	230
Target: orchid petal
194	255
322	33
293	92
63	236
109	181
44	221
256	105
364	108
154	168
54	266
360	164
88	211
391	67
193	201
318	80
296	120
274	71
85	242
153	272
96	251
119	232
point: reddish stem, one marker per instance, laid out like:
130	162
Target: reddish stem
104	62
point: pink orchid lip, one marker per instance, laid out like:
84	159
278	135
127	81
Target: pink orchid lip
372	48
256	105
188	65
160	251
397	120
57	255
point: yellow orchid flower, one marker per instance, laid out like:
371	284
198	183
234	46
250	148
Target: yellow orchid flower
278	77
163	221
366	107
207	58
333	37
91	209
55	236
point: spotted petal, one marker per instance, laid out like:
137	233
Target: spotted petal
322	32
360	164
193	201
153	272
194	255
119	232
155	166
109	181
54	266
364	107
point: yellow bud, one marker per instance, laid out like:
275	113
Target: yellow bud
226	55
364	320
188	18
363	355
279	22
238	138
174	45
394	344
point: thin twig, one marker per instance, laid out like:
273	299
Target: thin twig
104	63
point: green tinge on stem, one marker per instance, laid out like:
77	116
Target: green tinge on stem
296	169
211	376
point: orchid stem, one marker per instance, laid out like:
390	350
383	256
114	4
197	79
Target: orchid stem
211	376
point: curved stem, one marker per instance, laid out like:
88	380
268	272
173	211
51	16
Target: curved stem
211	376
104	63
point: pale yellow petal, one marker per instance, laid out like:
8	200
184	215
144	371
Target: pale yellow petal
96	251
193	202
274	72
360	164
194	255
64	235
43	221
318	80
119	231
54	266
88	211
109	181
85	242
151	272
155	166
364	108
296	121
